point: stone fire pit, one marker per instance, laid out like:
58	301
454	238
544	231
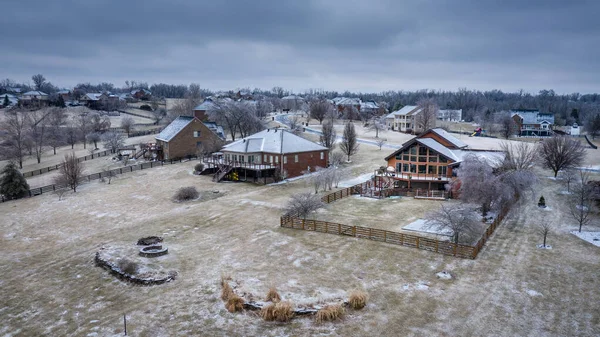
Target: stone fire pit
154	251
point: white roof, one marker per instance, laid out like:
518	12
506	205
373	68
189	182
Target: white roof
455	141
407	110
273	141
35	93
174	128
93	96
491	157
290	97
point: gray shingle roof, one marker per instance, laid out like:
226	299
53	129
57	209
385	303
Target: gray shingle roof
273	141
533	117
408	110
455	141
206	105
174	128
35	93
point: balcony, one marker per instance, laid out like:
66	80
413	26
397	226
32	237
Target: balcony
418	176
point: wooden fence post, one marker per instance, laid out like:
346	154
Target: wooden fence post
339	229
417	242
303	220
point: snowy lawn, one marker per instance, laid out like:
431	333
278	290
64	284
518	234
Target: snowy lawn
421	225
591	237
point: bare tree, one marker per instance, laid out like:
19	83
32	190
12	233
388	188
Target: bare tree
15	128
505	124
108	174
38	80
316	178
544	228
351	113
478	183
294	123
93	138
377	124
56	120
520	156
319	109
569	176
71	171
83	124
349	143
580	205
37	132
336	158
332	115
380	142
303	204
328	136
427	118
113	141
462	222
264	108
60	192
98	123
559	153
127	124
71	135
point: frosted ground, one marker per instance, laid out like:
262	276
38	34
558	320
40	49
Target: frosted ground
50	286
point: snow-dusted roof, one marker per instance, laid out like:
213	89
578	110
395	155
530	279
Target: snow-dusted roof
292	97
408	110
369	105
493	158
533	117
64	92
439	148
93	96
218	129
174	128
346	101
35	93
273	141
455	141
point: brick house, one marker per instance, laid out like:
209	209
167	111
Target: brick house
184	136
280	148
428	160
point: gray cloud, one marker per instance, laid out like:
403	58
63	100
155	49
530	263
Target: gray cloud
356	45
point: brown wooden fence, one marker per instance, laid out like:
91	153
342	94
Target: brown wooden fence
408	240
95	176
55	167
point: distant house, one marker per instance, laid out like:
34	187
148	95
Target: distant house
450	115
34	97
65	94
185	135
280	148
342	103
291	102
201	111
141	94
404	120
533	123
369	107
428	161
14	90
574	130
100	101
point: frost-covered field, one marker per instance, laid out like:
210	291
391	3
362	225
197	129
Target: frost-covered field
50	286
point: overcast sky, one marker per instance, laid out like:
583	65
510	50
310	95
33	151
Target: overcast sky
369	46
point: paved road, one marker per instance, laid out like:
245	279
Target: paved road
284	119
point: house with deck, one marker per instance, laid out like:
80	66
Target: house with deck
428	161
533	123
273	149
185	136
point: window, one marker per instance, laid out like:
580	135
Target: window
295	158
442	170
398	167
276	159
241	158
413	168
235	157
265	158
422	151
422	159
251	159
271	159
285	159
413	158
443	159
422	168
196	134
432	170
405	168
433	159
413	150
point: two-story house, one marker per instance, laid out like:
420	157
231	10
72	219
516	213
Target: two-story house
404	120
533	123
428	161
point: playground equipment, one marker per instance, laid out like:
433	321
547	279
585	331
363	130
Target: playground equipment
591	144
478	132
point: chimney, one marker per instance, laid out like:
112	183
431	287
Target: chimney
201	115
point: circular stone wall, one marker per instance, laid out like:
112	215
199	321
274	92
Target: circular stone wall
153	251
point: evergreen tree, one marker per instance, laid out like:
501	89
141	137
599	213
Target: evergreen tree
12	183
6	101
61	102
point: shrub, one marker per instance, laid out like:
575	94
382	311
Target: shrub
186	193
128	266
234	303
199	167
145	107
542	202
273	295
12	183
358	299
329	313
280	312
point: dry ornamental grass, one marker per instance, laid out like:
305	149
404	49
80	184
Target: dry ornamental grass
358	299
279	312
329	313
273	295
226	291
234	303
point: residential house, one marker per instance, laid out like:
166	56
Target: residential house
450	115
65	94
184	136
100	101
404	120
34	97
369	108
428	160
141	94
280	148
291	102
533	123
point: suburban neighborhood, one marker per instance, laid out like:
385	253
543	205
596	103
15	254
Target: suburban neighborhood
312	169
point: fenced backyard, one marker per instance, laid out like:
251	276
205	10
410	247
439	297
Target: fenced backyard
375	234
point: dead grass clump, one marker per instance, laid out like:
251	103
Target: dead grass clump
226	291
330	313
280	312
234	303
273	295
186	193
358	299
